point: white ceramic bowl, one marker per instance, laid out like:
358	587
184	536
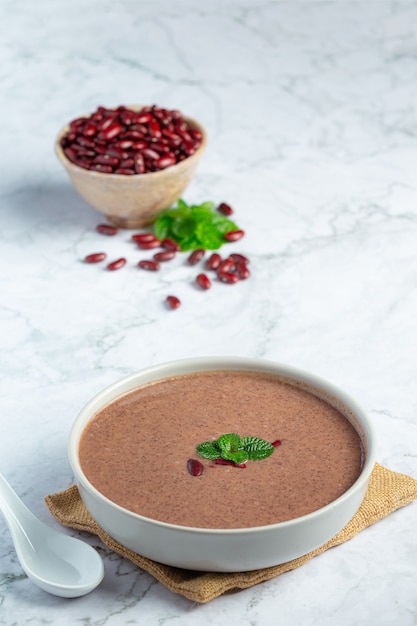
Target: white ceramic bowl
227	550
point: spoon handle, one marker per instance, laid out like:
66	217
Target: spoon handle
11	505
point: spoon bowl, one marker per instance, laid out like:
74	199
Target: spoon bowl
59	564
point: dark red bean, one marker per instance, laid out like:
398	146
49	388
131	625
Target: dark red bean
234	235
213	261
95	257
143	118
195	467
196	256
149	245
228	277
104	169
221	461
224	208
117	265
276	443
166	255
165	161
226	265
125	171
239	258
170	244
107	229
112	131
152	266
148	153
203	281
173	302
143	237
242	271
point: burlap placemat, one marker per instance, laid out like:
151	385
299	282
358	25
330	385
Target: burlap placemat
387	492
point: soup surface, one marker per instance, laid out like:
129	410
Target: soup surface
135	450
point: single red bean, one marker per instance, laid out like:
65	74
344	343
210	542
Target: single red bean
117	265
143	237
90	130
203	281
196	256
96	257
234	235
148	153
104	169
195	468
239	258
143	118
226	265
276	443
224	208
112	131
126	171
221	461
165	161
105	159
124	144
129	163
242	271
146	264
170	244
213	261
228	277
154	129
139	164
139	145
166	255
107	229
173	302
149	245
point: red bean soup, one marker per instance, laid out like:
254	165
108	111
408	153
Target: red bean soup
136	450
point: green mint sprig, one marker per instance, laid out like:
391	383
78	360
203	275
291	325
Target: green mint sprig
232	447
193	226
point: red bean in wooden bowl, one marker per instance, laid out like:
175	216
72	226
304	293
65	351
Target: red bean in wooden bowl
130	162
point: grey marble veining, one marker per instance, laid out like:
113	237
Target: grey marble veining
310	109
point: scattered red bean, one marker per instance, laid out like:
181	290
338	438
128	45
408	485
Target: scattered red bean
203	281
151	139
227	265
242	271
276	443
195	468
107	229
239	258
166	255
170	244
149	245
213	261
228	277
196	256
150	265
224	208
234	235
117	265
143	237
173	302
96	257
221	461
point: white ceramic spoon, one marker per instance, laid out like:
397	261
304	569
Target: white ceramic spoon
57	563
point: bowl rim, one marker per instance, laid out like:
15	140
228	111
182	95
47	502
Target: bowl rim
73	166
219	363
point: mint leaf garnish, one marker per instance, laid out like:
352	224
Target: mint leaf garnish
232	447
193	226
257	448
209	450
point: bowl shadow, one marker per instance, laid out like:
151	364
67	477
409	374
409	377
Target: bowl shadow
57	204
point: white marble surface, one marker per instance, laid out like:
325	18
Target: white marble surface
312	120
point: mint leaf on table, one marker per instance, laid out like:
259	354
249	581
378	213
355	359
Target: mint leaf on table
193	226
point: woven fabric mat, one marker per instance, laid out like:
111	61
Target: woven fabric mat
387	492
